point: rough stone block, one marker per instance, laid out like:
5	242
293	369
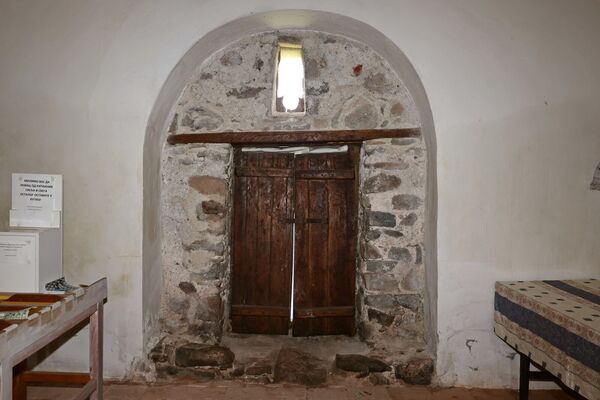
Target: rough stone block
231	57
238	370
295	366
209	185
393	233
401	254
416	372
409	220
380	218
393	301
206	272
179	306
360	363
209	308
372	234
376	83
378	379
369	252
187	287
380	317
203	355
364	116
201	119
381	183
206	243
397	109
213	207
203	329
413	280
158	353
406	202
381	282
259	368
380	266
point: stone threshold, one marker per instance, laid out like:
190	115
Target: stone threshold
309	361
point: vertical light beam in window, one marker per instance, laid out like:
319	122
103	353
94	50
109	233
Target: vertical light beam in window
290	79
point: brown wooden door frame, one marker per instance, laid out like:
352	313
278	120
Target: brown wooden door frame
325	283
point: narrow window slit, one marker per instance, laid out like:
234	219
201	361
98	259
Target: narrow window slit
289	80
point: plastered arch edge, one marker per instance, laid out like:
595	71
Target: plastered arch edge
164	106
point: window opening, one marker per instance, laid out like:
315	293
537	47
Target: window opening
289	80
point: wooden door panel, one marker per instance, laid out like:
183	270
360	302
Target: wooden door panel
262	244
324	276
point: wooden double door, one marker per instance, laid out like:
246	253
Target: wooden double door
294	225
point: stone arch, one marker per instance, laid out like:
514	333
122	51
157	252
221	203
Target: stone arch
164	110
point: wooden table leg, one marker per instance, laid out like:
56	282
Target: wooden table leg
19	385
6	381
524	377
96	347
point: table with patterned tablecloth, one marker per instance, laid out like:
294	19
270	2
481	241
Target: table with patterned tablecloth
555	325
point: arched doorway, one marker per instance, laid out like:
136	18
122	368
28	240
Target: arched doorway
355	79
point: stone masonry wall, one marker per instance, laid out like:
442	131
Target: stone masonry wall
348	86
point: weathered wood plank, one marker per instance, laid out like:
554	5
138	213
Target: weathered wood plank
89	390
326	211
6	379
96	354
19	385
328	174
261	270
297	137
264	172
262	276
320	312
66	378
260	311
280	272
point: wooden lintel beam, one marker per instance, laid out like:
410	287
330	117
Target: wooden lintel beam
292	137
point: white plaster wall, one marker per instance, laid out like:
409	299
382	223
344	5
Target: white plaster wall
513	86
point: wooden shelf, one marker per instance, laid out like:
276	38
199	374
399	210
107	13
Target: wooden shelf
293	137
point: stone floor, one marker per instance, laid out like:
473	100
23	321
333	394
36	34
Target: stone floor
240	391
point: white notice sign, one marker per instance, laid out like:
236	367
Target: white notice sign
37	192
14	252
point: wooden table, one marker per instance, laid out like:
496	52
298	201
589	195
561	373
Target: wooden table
54	316
554	325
